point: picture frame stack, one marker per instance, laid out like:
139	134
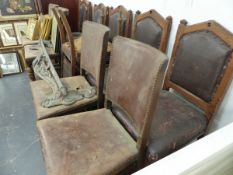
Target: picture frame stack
14	17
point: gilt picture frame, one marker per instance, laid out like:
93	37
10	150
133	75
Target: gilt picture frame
21	30
7	35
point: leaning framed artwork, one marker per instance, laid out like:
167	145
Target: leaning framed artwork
8	35
9	63
13	9
21	30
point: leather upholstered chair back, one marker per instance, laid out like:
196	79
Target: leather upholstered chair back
201	66
100	14
120	22
92	61
85	12
132	98
151	28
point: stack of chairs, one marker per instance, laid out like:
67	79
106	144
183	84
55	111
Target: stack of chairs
145	113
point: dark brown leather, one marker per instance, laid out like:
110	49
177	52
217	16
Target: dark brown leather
129	92
93	49
86	144
149	32
200	61
125	120
113	24
176	123
90	79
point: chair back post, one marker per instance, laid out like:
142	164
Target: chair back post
77	2
90	11
211	36
136	111
60	26
70	40
134	24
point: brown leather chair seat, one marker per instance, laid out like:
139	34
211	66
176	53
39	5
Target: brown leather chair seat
40	88
76	144
176	122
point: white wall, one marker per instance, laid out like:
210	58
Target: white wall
193	11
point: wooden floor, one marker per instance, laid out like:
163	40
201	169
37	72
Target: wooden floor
20	152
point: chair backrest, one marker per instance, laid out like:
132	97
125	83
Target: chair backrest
120	22
94	50
151	28
85	12
201	65
135	77
68	35
100	14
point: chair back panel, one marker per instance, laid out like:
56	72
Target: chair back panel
93	49
132	94
201	64
119	22
151	28
149	32
200	61
85	8
100	14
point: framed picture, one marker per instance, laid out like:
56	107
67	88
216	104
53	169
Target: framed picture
8	36
9	63
21	30
32	31
15	8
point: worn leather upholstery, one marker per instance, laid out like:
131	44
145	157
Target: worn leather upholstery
93	49
95	142
113	24
194	52
175	124
94	44
86	144
129	92
149	32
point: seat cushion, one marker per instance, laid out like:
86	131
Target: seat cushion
176	123
77	44
40	88
67	50
86	143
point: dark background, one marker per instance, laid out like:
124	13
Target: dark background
70	4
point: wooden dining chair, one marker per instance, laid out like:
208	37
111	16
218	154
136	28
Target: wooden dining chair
70	48
199	72
100	14
85	12
99	142
120	22
151	28
94	45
